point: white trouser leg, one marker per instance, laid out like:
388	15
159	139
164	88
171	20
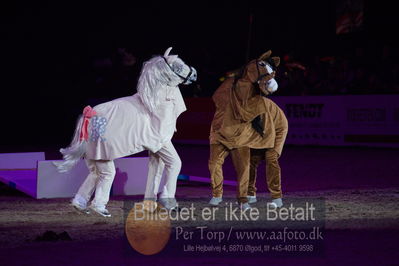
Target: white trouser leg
165	159
106	174
172	163
87	188
155	170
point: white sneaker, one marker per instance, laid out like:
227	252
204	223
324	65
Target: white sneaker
251	199
80	207
169	203
276	203
245	206
215	201
101	211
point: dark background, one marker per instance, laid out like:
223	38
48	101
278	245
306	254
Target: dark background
49	50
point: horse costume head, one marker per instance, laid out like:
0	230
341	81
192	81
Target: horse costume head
160	73
260	73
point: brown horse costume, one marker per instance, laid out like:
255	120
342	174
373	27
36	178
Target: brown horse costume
245	119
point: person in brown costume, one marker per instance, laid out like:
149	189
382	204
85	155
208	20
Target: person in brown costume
244	119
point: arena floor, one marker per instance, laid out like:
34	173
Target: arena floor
360	188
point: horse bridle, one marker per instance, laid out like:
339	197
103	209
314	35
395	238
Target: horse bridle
272	66
177	74
260	77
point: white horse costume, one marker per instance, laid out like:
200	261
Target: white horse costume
124	126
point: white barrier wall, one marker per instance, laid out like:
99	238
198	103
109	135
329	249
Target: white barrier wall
26	160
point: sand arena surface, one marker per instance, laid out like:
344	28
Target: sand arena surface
360	188
22	219
368	213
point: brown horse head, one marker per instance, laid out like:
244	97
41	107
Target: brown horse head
260	72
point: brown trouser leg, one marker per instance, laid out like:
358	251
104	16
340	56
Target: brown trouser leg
257	155
273	174
240	157
217	155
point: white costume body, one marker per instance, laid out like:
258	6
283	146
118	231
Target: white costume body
128	125
129	128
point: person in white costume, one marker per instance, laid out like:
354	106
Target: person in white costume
124	126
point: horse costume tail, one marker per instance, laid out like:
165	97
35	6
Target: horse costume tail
77	148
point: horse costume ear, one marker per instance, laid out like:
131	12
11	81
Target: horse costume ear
169	58
276	60
167	52
265	55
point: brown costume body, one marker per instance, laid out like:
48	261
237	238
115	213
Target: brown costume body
238	102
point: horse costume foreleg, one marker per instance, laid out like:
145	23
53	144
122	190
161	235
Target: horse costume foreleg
273	174
273	170
166	159
155	170
173	165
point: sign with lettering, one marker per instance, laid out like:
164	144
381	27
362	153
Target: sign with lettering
353	120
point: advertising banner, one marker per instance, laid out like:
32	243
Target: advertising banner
355	120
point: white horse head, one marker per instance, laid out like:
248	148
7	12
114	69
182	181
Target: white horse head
186	73
161	72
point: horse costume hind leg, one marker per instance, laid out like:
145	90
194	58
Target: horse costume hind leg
124	126
273	171
242	121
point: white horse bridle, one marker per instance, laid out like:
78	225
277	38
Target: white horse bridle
185	79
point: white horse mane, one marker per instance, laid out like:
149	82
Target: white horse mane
157	75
